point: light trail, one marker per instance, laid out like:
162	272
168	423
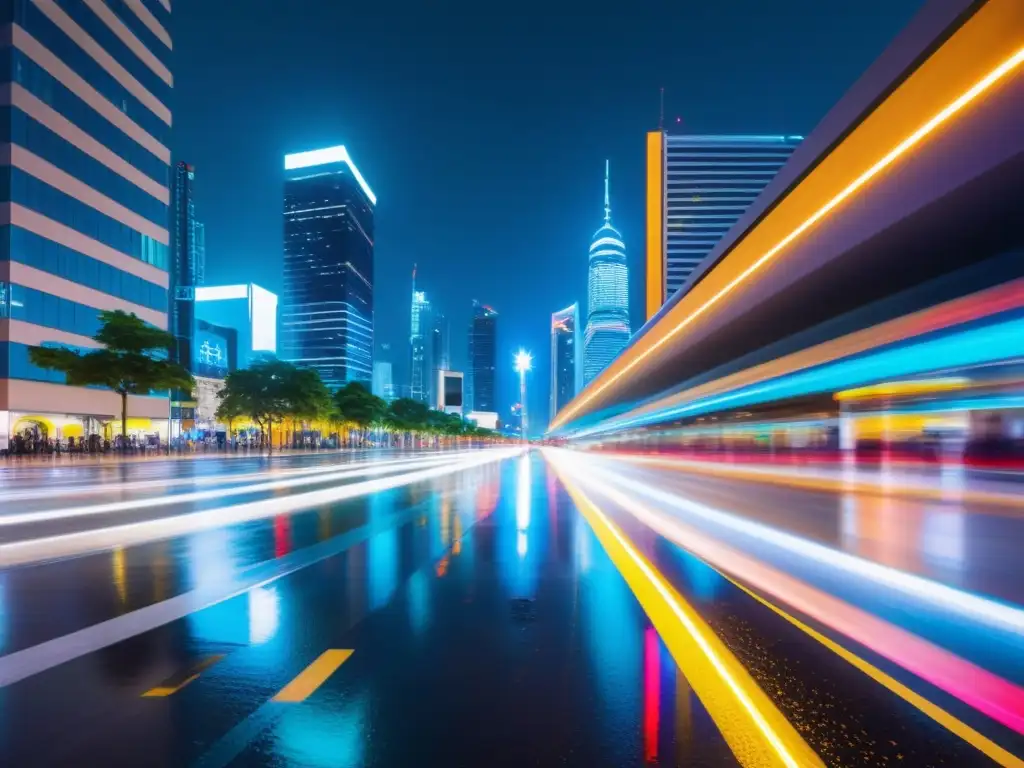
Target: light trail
753	727
64	545
65	513
214	479
939	596
984	691
808	477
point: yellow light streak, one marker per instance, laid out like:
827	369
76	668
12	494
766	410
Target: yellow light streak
728	692
951	109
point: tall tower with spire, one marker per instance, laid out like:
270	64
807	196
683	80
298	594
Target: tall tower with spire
608	327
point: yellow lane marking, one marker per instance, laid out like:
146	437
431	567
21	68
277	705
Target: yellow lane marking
756	731
936	713
835	486
313	676
176	682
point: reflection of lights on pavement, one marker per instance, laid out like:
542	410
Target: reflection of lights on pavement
731	696
652	693
986	692
3	611
120	575
522	547
523	493
30	550
943	597
327	736
264	614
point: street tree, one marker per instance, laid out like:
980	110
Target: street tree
133	360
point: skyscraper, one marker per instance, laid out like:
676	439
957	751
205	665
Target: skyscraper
483	358
86	179
438	350
184	264
566	366
419	364
607	295
697	188
200	253
327	305
383	385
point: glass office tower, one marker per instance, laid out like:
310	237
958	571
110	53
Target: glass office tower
607	330
419	368
86	196
327	304
483	358
697	188
566	351
184	269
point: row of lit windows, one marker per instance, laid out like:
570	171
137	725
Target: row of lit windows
32	193
15	364
57	42
26	247
20	129
47	89
47	310
112	44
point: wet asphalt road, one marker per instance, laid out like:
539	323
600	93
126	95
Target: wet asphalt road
486	622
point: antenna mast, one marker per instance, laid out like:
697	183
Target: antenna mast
661	112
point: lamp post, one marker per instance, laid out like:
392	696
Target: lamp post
524	362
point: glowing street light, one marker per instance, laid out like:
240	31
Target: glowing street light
524	363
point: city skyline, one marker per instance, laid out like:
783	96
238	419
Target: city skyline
505	235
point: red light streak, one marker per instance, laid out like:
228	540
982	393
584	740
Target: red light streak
652	694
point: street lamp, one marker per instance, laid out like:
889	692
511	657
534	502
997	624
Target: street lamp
524	362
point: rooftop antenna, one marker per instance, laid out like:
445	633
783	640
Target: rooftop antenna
607	202
661	113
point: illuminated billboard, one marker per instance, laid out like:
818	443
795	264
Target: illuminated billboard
247	308
214	351
449	391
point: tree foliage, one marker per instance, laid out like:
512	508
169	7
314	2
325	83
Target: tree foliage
272	390
355	404
132	361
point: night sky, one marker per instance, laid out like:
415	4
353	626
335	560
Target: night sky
483	133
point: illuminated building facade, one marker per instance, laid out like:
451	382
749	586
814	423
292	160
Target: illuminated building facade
438	350
249	311
184	264
607	330
87	194
419	364
327	306
483	361
697	188
566	366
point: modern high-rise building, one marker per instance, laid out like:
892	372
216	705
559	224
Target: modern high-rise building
566	353
608	326
184	264
438	350
697	188
383	384
86	180
200	253
483	361
419	362
327	305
